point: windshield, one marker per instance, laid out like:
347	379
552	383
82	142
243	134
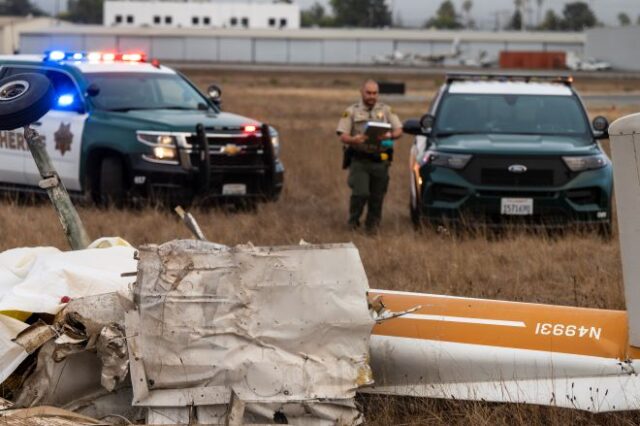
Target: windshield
131	91
512	114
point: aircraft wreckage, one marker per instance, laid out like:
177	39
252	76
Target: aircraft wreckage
195	332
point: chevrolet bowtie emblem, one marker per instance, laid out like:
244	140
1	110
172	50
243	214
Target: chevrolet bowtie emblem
231	149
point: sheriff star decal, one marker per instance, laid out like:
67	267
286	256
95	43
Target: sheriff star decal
63	138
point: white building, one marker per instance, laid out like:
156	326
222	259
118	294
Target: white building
292	46
200	14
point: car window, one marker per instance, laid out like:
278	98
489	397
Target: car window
514	114
130	91
67	96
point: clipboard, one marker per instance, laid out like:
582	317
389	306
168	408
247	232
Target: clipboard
374	129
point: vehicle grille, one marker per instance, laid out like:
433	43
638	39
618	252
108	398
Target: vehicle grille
249	150
542	171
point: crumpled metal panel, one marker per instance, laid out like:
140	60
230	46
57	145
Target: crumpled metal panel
279	324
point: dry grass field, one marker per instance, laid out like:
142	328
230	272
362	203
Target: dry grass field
572	269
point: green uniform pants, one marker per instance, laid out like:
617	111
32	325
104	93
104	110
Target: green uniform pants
368	181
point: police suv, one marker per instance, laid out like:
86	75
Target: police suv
124	128
494	149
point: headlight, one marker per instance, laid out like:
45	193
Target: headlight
164	146
164	153
444	159
154	139
275	142
586	162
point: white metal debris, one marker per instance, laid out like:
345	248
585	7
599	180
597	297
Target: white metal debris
273	325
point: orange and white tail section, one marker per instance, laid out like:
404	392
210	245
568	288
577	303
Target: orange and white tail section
488	350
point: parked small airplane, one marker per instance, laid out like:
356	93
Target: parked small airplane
439	58
416	59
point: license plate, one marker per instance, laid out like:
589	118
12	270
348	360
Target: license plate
234	189
516	206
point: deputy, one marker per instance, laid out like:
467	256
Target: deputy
368	163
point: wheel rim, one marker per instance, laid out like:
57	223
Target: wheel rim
13	90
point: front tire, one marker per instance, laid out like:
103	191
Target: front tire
112	184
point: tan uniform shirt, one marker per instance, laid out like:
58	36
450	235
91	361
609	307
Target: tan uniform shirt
356	116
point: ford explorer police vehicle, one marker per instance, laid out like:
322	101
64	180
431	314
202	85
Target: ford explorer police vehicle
123	128
494	149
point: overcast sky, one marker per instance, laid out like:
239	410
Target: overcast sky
485	12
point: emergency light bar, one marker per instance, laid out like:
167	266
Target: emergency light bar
59	55
526	77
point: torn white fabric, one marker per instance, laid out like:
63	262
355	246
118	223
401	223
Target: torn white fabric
11	354
41	279
272	324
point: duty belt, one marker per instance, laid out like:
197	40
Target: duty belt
378	157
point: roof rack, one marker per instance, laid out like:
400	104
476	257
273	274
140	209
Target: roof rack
526	77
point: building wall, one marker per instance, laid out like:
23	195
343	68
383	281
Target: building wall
12	28
206	14
615	45
286	46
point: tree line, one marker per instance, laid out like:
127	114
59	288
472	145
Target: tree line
575	16
80	11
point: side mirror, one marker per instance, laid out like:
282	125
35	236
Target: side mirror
412	127
426	121
419	127
93	90
601	127
215	94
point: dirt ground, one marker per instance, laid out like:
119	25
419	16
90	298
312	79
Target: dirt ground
570	269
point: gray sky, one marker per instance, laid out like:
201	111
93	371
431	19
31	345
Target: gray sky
416	12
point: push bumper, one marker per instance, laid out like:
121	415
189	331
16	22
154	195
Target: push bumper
149	179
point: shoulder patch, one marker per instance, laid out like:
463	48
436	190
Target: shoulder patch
345	114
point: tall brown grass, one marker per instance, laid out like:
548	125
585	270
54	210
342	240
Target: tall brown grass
573	269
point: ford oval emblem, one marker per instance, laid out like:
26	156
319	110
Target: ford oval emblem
517	168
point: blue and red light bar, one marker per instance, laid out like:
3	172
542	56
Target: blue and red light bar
60	55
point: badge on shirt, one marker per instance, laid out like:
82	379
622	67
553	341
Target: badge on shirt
380	115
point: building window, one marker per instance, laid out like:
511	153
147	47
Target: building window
283	22
234	22
272	22
129	19
206	20
168	20
195	20
245	22
157	19
118	19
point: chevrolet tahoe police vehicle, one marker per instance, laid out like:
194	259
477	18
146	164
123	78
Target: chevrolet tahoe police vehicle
124	128
494	149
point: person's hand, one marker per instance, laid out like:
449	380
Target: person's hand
359	139
384	136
